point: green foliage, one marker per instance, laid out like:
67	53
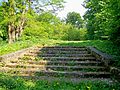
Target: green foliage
9	83
83	33
15	13
3	26
74	34
47	25
35	29
42	25
48	17
103	19
74	19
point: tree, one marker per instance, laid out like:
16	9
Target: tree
17	12
48	17
103	19
13	13
74	19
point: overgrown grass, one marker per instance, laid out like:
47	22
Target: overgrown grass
10	83
6	48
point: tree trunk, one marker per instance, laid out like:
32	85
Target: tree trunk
20	27
11	33
16	33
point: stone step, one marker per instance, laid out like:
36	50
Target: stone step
59	52
74	74
69	63
63	49
58	58
58	68
58	55
68	58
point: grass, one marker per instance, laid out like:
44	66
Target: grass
6	48
9	83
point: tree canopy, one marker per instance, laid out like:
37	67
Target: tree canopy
103	19
14	15
74	19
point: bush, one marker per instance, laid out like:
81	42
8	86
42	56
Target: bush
36	29
75	34
115	36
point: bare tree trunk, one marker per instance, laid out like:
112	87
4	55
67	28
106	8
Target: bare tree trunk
11	25
16	33
20	27
11	33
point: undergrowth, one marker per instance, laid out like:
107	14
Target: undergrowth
10	83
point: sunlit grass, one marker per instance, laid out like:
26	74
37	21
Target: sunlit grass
6	48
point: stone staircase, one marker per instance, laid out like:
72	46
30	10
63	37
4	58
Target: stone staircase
57	63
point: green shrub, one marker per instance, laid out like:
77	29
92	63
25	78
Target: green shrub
35	29
75	34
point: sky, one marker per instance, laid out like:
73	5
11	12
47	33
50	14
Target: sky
72	5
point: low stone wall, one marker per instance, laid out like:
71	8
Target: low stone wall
106	59
100	55
14	55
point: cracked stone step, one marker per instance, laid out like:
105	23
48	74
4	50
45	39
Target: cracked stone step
43	62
